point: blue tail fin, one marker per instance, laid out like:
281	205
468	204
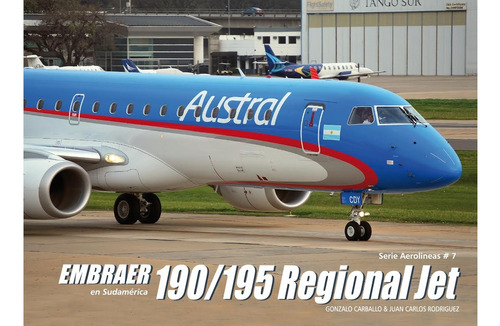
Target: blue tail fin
272	60
129	66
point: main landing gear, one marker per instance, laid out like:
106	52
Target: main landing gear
142	207
357	229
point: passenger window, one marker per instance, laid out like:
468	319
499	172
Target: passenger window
180	111
361	115
95	107
112	108
232	113
250	114
163	110
197	112
268	114
39	104
215	112
146	109
58	105
130	108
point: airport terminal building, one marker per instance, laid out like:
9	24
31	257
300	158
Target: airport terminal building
400	37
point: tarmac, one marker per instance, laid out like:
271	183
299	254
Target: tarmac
257	253
311	245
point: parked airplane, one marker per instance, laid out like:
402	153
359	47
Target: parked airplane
263	144
130	66
342	70
33	61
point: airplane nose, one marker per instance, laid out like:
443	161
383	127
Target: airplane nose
422	164
442	168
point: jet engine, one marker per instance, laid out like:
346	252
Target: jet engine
54	188
262	199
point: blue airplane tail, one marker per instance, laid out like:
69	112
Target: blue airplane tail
273	63
129	65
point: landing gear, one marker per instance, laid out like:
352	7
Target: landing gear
352	231
356	229
126	206
150	209
366	231
130	208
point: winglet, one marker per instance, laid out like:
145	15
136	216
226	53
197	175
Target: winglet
130	66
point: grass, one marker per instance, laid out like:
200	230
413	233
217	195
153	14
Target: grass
456	204
454	109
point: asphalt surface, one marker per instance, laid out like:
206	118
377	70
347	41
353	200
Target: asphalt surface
310	245
255	243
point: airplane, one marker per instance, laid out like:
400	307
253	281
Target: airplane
341	71
34	61
130	66
263	144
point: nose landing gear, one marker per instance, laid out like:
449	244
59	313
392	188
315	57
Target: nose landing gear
357	229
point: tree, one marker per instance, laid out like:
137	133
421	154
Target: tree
69	31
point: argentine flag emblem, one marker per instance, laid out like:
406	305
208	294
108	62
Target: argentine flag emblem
331	132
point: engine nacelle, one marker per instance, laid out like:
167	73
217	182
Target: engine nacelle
54	188
263	199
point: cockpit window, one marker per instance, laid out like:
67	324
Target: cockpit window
399	115
361	115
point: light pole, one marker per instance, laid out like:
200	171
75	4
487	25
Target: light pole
229	17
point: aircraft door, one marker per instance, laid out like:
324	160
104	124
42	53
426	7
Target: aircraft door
309	130
75	109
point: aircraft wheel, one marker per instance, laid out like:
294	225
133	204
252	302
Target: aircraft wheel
352	231
366	231
150	214
126	209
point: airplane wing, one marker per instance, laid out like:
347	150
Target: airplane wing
71	154
280	62
351	74
78	155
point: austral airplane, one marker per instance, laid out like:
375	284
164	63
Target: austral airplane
34	61
130	66
264	144
341	71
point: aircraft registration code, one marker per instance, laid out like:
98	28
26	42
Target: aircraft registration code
351	198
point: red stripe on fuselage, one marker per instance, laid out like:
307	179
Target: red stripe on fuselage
371	178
